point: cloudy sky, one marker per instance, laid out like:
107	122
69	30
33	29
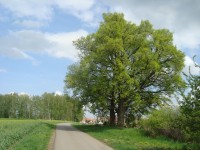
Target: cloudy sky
36	36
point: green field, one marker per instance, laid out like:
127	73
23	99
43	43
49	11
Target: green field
25	134
129	138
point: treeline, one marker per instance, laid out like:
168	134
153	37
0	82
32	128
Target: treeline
47	106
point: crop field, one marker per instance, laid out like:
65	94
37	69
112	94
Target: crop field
25	134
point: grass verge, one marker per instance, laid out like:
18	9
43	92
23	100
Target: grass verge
36	140
129	138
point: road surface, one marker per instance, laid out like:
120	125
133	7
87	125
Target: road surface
69	138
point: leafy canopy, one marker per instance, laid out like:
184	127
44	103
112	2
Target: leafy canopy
125	66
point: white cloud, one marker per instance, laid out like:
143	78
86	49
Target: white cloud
16	53
29	8
24	40
23	93
58	93
63	47
189	63
181	17
80	9
21	43
189	38
75	5
44	10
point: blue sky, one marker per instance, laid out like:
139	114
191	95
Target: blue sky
36	36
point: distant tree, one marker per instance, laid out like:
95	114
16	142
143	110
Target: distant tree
125	68
47	99
9	103
23	106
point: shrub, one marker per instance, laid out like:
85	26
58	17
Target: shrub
190	107
164	121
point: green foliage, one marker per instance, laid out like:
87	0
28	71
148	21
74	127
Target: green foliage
48	106
164	121
126	68
129	138
190	109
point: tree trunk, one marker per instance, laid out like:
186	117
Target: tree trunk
112	112
120	114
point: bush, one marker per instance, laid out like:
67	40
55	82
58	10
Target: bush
190	108
164	121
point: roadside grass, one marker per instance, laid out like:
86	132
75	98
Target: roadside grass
36	140
129	138
25	134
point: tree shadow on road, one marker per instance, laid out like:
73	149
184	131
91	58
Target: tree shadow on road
65	127
95	128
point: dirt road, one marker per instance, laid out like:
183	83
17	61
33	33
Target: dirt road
69	138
